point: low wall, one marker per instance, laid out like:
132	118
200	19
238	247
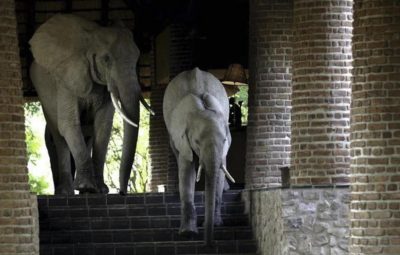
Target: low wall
300	221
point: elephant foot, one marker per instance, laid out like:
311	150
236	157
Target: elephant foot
188	231
218	221
84	182
188	220
102	187
64	190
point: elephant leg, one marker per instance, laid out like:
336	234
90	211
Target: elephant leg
70	128
60	162
84	168
102	132
52	151
187	178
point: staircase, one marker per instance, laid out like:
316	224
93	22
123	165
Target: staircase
139	224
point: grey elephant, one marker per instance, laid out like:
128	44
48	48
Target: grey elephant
81	71
196	111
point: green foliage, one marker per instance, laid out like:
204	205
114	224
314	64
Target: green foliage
139	176
32	109
33	143
38	184
242	96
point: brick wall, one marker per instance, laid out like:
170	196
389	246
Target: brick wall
17	231
375	128
268	131
321	92
164	167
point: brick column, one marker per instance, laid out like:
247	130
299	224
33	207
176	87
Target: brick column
375	128
17	232
164	167
321	92
268	131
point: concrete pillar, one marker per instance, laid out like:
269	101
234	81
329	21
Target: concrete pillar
321	92
375	128
18	215
268	130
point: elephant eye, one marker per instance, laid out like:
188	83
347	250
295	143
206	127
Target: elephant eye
107	59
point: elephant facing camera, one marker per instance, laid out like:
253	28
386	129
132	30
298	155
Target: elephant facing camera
196	113
82	72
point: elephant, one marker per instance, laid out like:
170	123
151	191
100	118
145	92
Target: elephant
196	112
82	72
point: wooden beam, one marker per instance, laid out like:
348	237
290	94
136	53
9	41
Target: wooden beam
105	12
28	89
68	6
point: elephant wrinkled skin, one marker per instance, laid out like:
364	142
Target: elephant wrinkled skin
196	111
80	70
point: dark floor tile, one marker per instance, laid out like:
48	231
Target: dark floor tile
119	212
62	250
165	250
113	199
154	198
58	201
135	199
145	250
122	236
125	250
156	210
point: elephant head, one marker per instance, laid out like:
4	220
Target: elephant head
83	57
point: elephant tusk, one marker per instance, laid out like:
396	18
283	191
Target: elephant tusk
146	105
118	108
198	174
227	174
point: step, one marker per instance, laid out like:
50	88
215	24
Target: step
140	235
131	199
129	222
129	210
155	248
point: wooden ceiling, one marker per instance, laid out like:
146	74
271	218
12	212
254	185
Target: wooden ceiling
219	27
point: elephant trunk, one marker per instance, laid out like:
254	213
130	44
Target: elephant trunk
210	191
131	107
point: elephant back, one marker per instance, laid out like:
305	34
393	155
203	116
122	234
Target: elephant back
60	37
195	82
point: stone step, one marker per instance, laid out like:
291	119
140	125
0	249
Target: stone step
131	199
139	235
119	210
129	222
243	247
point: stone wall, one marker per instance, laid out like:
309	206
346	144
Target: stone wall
270	60
375	137
316	221
300	221
264	208
17	212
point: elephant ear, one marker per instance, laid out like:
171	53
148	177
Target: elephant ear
60	45
184	148
228	142
211	103
180	118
